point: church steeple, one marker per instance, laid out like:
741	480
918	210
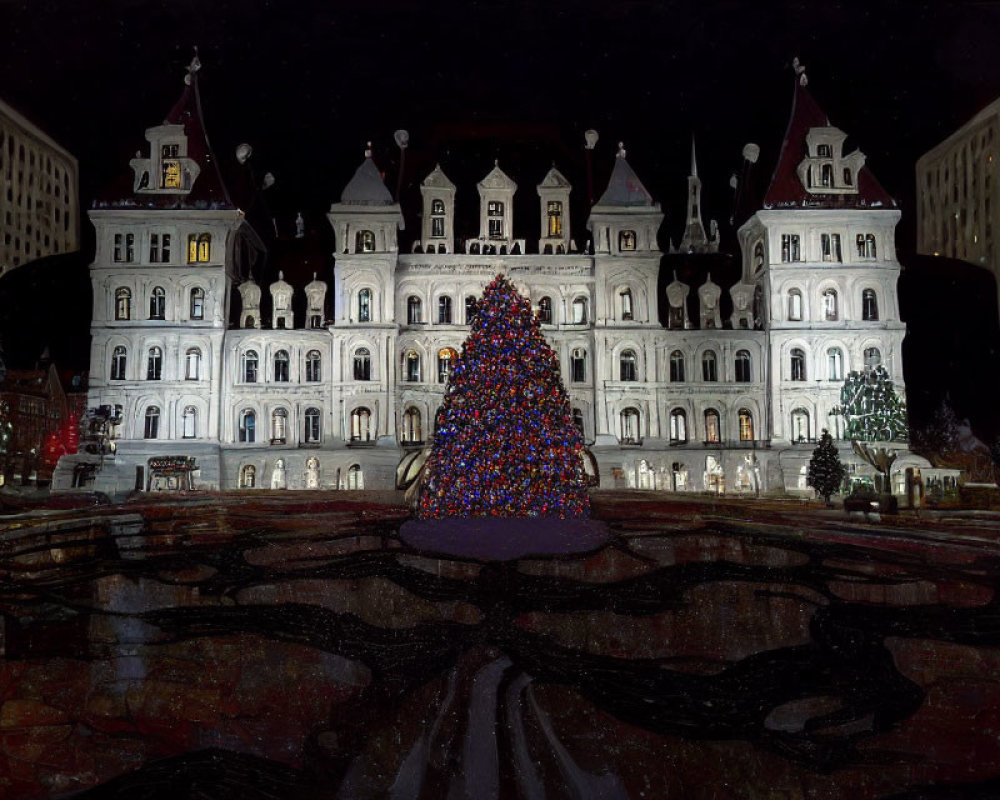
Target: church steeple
694	239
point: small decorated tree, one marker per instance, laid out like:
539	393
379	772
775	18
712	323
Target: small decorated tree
505	443
826	473
873	412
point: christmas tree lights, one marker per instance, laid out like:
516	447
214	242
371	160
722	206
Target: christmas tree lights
505	444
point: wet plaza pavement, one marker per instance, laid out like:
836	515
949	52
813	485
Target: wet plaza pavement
293	646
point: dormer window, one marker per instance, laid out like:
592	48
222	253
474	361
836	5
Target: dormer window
437	219
555	219
825	169
866	245
494	214
170	167
159	248
790	247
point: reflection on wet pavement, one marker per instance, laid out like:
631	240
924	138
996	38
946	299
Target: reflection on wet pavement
292	648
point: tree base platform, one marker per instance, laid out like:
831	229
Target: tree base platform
504	539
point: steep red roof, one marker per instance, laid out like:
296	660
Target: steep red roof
787	191
209	190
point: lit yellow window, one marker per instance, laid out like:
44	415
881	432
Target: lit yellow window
171	174
199	248
555	218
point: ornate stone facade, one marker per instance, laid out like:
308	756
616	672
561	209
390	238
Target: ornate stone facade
701	401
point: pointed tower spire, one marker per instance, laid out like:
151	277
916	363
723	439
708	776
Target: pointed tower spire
694	239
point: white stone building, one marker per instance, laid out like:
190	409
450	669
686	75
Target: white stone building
336	399
958	205
39	193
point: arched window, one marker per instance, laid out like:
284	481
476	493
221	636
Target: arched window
798	368
830	305
313	431
313	364
744	366
250	361
625	297
154	364
678	426
626	366
281	366
364	242
197	303
249	321
446	363
365	305
279	426
199	248
362	364
866	245
248	425
437	207
545	311
118	363
578	420
630	426
869	305
794	305
494	214
411	431
873	357
248	477
411	366
826	175
578	365
413	316
835	364
758	257
746	425
580	311
192	364
626	240
713	433
157	303
123	303
355	477
677	367
189	422
800	425
444	310
709	367
361	425
471	308
151	428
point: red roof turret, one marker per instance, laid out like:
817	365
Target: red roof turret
787	189
208	189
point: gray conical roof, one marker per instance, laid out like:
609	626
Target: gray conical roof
624	187
366	187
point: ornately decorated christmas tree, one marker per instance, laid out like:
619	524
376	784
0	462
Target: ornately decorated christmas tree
505	444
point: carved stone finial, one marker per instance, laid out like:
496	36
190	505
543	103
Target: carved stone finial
281	275
368	150
800	70
621	150
193	67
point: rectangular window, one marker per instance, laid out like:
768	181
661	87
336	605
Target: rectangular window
790	247
437	227
555	218
496	228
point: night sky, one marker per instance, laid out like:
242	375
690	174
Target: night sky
308	83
